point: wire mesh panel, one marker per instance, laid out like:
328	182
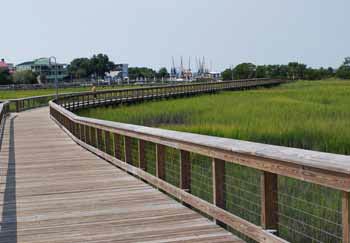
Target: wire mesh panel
308	212
172	166
119	147
150	157
242	192
134	151
201	177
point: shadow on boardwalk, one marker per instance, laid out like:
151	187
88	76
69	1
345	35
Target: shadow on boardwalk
8	231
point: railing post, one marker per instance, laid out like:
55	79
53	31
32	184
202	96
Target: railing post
117	146
218	170
269	201
142	155
160	161
87	135
127	150
185	171
108	143
93	137
99	139
346	217
17	105
82	133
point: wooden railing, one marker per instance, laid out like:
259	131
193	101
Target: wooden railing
108	97
264	192
4	110
95	98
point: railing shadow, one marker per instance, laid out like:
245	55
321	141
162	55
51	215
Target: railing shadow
8	232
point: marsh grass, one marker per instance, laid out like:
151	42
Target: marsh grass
16	94
311	115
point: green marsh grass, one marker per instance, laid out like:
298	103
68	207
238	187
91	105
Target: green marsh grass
311	115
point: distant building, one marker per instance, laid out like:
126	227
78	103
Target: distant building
42	67
214	75
6	66
120	72
124	69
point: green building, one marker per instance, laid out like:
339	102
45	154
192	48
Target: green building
44	69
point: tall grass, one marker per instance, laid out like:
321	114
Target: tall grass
16	94
311	115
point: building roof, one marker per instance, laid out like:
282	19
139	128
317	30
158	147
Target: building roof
3	64
25	63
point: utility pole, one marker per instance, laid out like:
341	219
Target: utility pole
56	72
232	72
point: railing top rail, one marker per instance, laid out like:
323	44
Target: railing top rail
314	159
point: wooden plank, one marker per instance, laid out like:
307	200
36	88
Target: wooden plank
346	217
160	161
53	190
269	202
185	171
243	226
218	170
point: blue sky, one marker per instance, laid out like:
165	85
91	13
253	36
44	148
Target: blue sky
149	33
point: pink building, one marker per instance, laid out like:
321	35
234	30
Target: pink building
6	66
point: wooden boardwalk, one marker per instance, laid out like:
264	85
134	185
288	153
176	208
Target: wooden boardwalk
53	190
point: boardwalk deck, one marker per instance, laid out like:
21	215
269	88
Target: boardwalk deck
52	190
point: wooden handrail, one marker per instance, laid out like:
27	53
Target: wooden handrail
21	104
4	110
325	169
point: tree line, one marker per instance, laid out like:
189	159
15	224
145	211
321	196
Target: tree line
96	66
292	71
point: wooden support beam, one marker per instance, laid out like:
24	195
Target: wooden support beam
218	170
269	201
108	142
142	154
160	161
346	217
128	149
93	137
185	170
82	132
87	135
99	139
117	146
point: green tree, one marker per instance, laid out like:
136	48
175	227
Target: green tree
101	64
163	73
80	68
343	71
261	71
25	77
5	77
227	74
296	70
141	72
97	65
244	70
